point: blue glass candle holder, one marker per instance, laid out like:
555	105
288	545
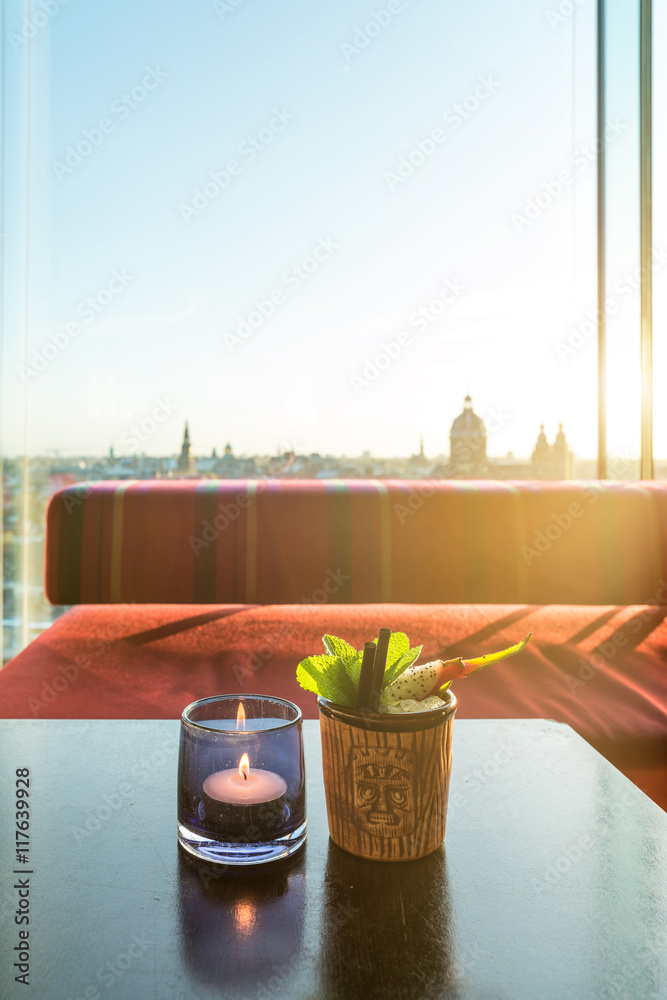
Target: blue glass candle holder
241	779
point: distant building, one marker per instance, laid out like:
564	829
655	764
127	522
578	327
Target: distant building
228	467
418	463
468	458
281	464
551	461
225	466
467	440
185	465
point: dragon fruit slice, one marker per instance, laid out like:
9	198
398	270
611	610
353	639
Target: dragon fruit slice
426	679
420	681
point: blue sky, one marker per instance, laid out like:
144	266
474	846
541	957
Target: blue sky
331	126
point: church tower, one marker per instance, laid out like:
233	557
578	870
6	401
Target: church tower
551	461
186	463
467	440
562	456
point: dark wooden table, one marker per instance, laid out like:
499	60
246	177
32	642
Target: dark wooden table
553	882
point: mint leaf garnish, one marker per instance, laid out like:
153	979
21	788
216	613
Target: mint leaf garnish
338	647
398	644
327	677
335	675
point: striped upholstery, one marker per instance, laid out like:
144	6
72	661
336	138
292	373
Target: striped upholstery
357	541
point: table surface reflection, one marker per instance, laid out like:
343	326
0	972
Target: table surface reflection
553	882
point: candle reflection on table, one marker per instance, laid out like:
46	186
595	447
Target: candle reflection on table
237	927
245	918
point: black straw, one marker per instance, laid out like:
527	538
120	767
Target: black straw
366	676
378	668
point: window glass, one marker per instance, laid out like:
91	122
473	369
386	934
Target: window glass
308	230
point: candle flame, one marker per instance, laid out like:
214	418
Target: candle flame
244	766
240	717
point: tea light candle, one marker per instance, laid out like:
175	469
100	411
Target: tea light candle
248	802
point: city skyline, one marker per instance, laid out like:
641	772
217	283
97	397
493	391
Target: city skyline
143	431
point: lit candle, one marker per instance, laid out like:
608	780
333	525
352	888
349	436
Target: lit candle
248	802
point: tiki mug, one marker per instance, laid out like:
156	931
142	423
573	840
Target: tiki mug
386	779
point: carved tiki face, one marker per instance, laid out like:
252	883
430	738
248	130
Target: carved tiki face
383	791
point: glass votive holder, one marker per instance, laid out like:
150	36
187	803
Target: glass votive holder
241	779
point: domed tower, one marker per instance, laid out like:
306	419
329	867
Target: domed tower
541	449
467	440
560	444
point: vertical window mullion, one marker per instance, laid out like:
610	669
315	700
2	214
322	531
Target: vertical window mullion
601	273
645	63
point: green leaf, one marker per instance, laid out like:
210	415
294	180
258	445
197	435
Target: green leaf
335	675
401	665
350	657
307	677
342	689
327	677
338	647
398	644
352	666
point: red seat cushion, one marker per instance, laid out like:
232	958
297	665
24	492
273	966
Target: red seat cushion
602	670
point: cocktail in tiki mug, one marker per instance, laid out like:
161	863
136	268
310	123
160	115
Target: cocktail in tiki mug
386	726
